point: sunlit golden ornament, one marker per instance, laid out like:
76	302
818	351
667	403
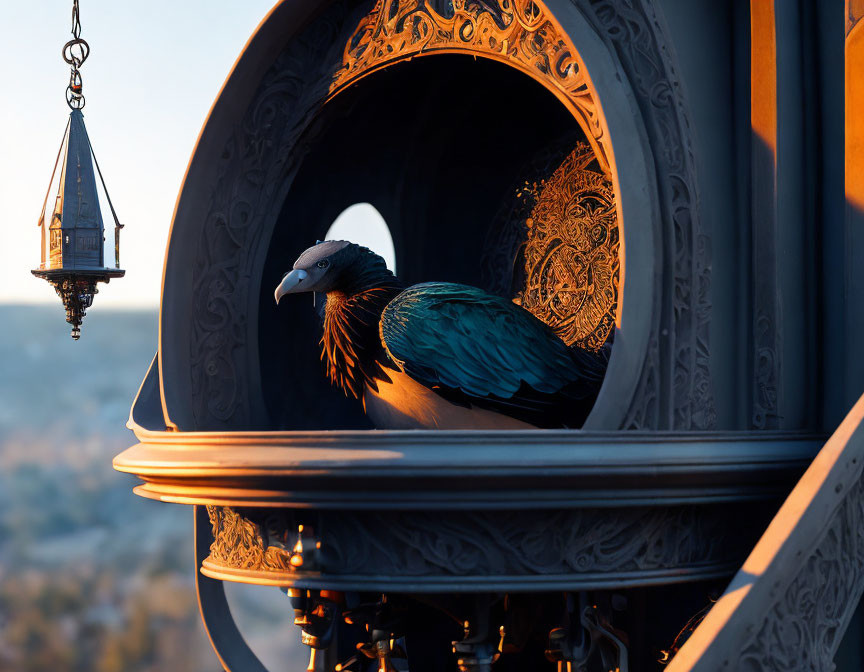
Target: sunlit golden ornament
571	252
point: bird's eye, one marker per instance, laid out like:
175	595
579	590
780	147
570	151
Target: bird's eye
323	263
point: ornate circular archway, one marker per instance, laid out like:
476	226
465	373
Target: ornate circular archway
522	34
255	140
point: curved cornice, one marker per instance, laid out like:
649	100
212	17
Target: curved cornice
462	469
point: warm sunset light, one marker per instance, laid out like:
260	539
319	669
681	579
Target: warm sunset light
432	336
143	123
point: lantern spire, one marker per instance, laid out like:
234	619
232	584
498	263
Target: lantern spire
73	260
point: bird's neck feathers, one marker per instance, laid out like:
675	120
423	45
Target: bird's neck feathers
351	345
362	270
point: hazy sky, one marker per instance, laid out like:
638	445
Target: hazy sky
153	72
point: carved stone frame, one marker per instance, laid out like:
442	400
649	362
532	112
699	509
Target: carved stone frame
242	168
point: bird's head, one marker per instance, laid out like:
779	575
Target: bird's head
335	266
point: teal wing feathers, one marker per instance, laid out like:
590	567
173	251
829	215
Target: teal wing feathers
475	348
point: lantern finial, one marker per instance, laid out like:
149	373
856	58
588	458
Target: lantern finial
73	249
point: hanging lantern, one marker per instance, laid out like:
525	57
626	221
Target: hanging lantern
73	237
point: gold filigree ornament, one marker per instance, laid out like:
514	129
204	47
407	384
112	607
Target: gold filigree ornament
571	252
238	543
520	33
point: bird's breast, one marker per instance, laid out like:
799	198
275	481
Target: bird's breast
406	404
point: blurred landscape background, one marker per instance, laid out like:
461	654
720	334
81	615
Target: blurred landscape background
92	577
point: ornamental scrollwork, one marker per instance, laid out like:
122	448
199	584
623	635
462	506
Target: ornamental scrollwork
240	543
258	159
265	148
637	542
803	626
571	252
521	33
679	351
553	247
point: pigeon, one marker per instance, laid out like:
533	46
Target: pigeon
440	355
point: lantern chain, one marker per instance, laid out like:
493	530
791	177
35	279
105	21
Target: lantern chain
75	52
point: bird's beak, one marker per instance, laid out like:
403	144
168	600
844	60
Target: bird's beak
291	283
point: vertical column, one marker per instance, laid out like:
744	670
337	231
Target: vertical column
783	206
763	120
831	216
854	183
797	190
743	216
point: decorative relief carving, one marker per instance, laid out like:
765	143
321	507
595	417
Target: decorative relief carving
532	543
766	367
803	627
240	543
645	413
637	541
561	231
521	33
571	252
263	152
677	367
253	172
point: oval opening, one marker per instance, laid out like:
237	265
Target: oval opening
445	176
361	223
